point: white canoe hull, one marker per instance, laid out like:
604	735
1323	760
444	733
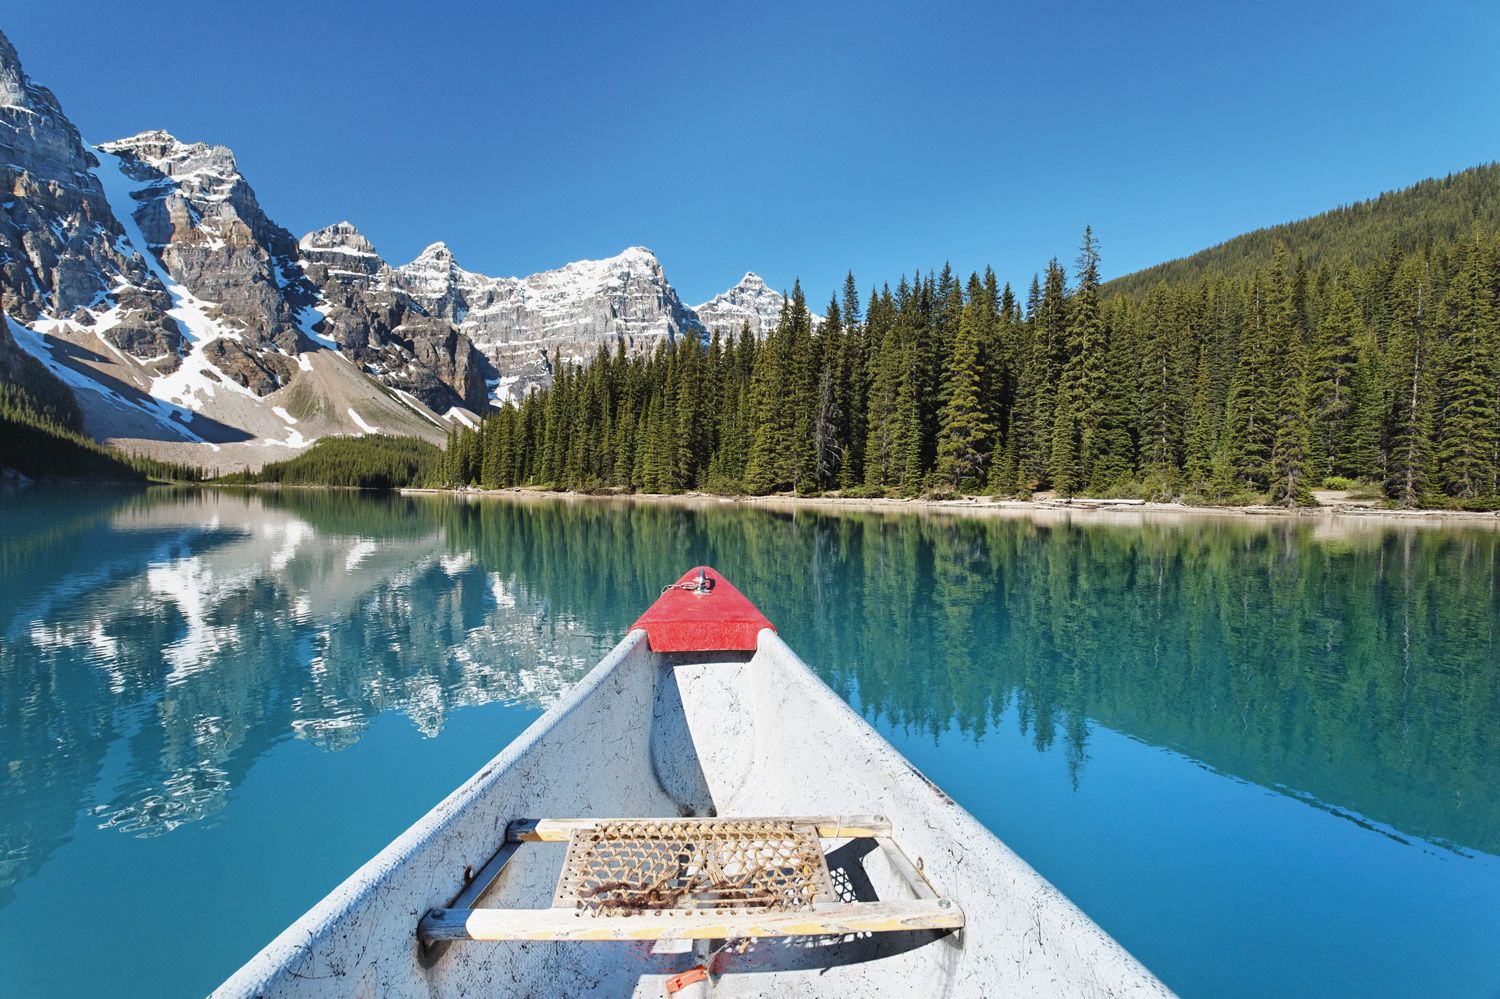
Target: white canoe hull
667	734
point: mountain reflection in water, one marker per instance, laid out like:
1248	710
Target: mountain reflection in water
1353	667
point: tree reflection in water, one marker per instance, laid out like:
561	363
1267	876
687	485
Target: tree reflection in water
1354	667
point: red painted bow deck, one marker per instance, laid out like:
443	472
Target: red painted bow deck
686	618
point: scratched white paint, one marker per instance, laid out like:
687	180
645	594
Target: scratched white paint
653	735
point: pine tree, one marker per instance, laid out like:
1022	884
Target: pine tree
1289	478
830	427
771	449
1067	444
801	369
894	435
965	432
1162	406
1470	422
1103	447
1331	389
1364	452
1249	427
1050	356
1202	443
1026	430
906	420
1408	468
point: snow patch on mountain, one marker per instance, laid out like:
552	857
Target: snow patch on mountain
462	417
34	341
360	422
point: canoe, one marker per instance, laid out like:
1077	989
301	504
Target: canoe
699	816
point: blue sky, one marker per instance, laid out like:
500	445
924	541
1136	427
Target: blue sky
790	139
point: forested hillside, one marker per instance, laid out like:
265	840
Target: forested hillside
1435	211
1228	387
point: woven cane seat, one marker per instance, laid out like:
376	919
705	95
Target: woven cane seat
695	879
631	867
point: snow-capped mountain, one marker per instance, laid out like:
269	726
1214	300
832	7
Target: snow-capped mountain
145	274
750	301
232	272
521	323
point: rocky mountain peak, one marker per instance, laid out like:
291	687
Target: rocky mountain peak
200	171
19	92
14	90
153	144
435	280
198	216
750	301
635	263
159	248
572	310
377	324
638	254
339	256
341	236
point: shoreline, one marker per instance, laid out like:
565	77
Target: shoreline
1102	510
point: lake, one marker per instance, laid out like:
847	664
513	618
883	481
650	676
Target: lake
1264	755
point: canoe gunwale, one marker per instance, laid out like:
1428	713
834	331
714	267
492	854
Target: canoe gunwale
302	937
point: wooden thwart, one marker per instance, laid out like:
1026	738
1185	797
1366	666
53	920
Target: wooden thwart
836	919
796	899
828	826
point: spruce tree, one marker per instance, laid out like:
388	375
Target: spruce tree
1067	442
1331	387
1249	427
965	432
1467	403
1285	356
1162	407
1051	354
1364	453
1103	445
891	410
1411	384
1202	435
830	425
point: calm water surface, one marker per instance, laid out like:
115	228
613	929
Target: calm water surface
1266	757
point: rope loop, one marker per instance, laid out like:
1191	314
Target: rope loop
701	585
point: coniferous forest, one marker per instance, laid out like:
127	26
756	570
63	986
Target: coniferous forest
1369	357
372	461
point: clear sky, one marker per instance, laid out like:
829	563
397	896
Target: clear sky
790	139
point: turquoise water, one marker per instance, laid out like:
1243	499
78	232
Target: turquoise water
1265	756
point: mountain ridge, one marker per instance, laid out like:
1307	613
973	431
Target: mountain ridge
1409	218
